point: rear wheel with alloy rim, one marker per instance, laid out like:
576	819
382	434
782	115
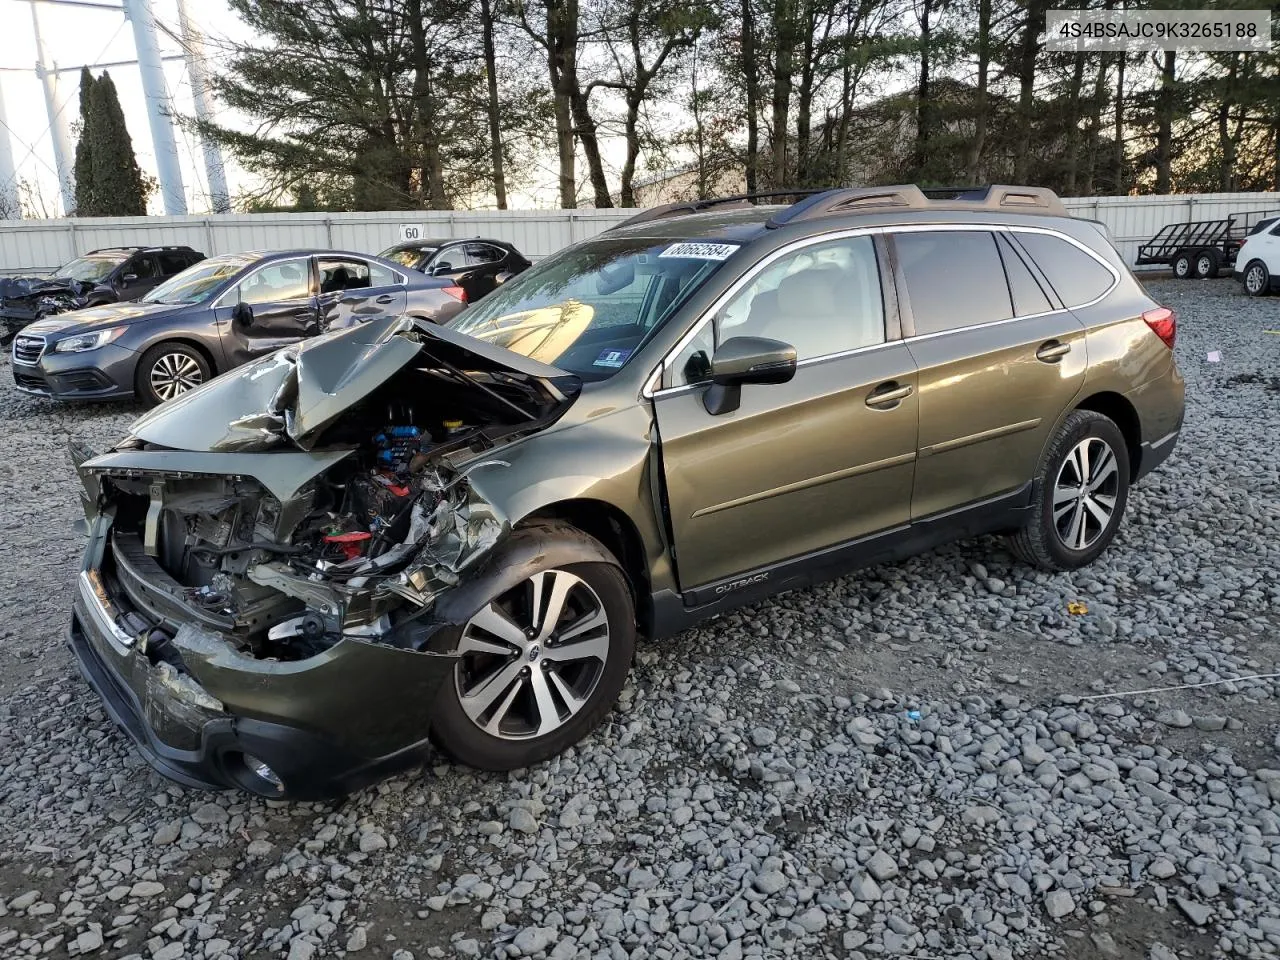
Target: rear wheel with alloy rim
1257	281
169	370
1078	495
539	666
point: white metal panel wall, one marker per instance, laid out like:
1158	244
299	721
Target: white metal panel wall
40	245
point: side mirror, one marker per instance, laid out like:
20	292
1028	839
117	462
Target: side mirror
746	360
242	315
444	266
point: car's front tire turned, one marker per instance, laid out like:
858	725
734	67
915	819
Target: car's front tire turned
541	664
1257	280
1078	495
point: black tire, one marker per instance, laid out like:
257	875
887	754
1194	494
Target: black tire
461	737
1256	278
1208	263
1042	541
1183	266
174	356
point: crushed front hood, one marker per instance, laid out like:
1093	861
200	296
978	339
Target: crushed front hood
294	393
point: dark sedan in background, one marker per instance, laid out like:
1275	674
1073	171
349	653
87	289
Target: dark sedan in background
109	275
476	264
220	313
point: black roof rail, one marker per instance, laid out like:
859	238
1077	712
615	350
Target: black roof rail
681	208
912	197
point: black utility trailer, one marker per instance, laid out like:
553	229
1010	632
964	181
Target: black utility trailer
1200	248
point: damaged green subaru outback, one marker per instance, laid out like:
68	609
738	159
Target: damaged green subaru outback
302	572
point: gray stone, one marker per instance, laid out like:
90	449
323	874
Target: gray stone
1197	913
522	821
1058	904
770	883
533	940
1174	718
882	866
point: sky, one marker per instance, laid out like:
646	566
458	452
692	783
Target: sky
75	35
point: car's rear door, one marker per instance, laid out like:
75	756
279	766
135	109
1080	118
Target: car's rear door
825	459
999	360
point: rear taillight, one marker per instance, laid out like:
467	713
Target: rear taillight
1163	323
457	293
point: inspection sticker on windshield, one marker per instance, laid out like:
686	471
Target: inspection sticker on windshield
699	251
611	358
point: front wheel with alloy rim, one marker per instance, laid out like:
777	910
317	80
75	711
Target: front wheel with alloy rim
1078	495
1257	281
539	666
169	370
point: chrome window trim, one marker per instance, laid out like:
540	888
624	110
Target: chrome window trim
652	383
262	266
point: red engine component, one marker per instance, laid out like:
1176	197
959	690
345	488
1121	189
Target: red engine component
351	544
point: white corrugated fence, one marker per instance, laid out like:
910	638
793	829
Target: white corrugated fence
36	246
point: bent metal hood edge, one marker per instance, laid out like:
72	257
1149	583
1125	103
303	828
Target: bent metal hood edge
292	394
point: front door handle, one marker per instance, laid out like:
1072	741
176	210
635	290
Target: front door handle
888	395
1052	351
386	298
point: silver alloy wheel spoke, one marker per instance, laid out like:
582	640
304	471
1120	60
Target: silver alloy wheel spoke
173	374
520	676
1085	493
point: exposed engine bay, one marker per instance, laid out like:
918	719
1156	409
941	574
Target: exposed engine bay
26	299
357	550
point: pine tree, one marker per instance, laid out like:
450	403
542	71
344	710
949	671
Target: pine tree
109	182
117	178
86	205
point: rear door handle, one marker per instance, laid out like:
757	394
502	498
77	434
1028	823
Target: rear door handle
1052	351
888	395
386	298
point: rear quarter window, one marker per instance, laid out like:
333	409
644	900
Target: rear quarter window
1076	276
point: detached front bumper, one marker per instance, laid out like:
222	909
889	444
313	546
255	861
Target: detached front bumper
322	727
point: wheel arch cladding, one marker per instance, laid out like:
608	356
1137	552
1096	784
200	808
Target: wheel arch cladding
531	545
1121	412
617	532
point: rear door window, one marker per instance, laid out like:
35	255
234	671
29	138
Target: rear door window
1076	276
171	263
955	279
481	253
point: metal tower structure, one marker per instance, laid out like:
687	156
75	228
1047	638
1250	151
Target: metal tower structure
8	174
59	123
159	105
193	46
160	111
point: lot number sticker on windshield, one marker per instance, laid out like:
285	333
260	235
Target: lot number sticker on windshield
699	251
611	358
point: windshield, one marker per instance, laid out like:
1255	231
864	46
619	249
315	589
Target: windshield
93	267
408	257
589	308
197	284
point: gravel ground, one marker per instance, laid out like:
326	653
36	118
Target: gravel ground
903	762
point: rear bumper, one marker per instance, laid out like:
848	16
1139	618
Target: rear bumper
1157	452
325	726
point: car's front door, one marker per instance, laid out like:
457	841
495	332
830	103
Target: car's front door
354	290
272	306
824	459
999	361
